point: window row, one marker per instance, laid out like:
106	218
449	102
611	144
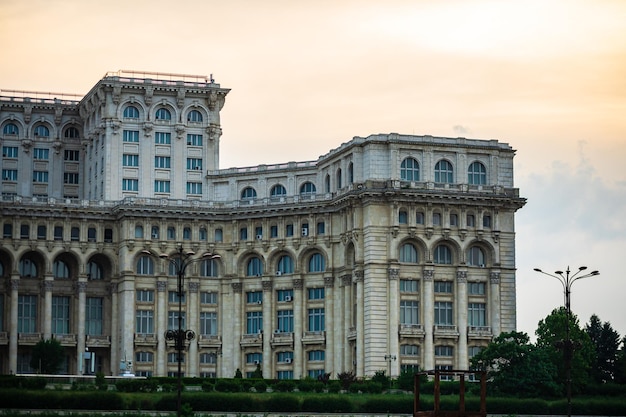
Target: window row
443	313
40	130
61	316
443	254
193	188
162	113
41	233
437	220
444	172
443	287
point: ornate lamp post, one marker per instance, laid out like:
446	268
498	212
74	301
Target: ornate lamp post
389	359
180	261
568	349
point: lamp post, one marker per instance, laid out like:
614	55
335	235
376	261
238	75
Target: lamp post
568	349
389	359
180	260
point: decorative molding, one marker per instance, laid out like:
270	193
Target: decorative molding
428	274
237	287
329	282
358	276
14	284
161	286
194	287
494	277
461	276
298	284
346	280
393	273
267	286
81	287
47	285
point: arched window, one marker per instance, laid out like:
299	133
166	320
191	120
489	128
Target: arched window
145	265
41	130
443	172
317	263
202	233
1	269
10	129
254	267
408	254
154	232
308	188
248	194
208	268
285	265
163	114
443	255
139	231
327	184
476	174
186	233
476	256
94	271
172	269
403	217
60	270
71	132
194	116
410	170
28	268
350	173
131	112
339	178
278	191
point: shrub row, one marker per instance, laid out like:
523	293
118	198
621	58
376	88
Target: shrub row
58	400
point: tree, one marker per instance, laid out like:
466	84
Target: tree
620	365
47	356
551	335
606	342
516	367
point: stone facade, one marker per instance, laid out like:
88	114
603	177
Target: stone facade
389	252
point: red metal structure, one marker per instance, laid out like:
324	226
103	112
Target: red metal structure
461	412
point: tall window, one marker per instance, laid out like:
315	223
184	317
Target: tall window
60	315
161	186
443	172
194	188
162	162
41	154
317	263
41	130
10	129
443	313
476	174
403	217
443	255
410	170
27	314
284	321
409	312
129	160
129	184
254	322
172	319
163	114
145	265
339	178
162	138
208	323
93	316
476	256
408	253
477	314
60	270
144	323
194	140
130	136
254	267
316	320
27	268
285	265
131	112
208	268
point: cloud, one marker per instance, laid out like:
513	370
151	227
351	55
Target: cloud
462	130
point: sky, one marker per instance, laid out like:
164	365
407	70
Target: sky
547	77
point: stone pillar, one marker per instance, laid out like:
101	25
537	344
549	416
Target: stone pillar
329	325
81	288
193	323
429	318
461	299
494	303
267	305
15	284
298	332
161	328
360	323
115	358
46	317
232	353
346	354
394	321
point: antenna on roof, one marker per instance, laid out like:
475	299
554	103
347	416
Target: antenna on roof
211	79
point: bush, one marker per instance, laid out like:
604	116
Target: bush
327	404
33	382
260	386
346	378
284	385
137	385
306	385
282	404
382	379
227	385
389	405
358	387
334	387
208	386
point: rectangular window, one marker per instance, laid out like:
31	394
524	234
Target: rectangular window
477	314
162	162
208	323
70	178
443	287
7	231
194	140
321	228
444	377
289	230
93	316
172	357
162	138
454	220
486	221
131	136
254	297
254	322
243	233
129	160
144	357
172	297
60	315
443	313
194	164
161	186
316	320
284	295
470	220
41	154
436	219
208	297
316	293
27	314
9	174
316	355
194	188
40	176
284	374
274	231
284	321
145	296
408	285
129	184
172	320
75	234
409	312
71	155
441	350
409	350
207	358
9	151
284	357
419	217
476	288
58	232
41	232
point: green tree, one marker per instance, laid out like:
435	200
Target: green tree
551	335
47	356
606	342
517	367
258	373
620	365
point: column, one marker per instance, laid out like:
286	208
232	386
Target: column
81	288
232	353
461	300
115	361
494	302
126	319
394	321
329	324
193	323
360	329
161	328
429	313
345	360
46	316
15	283
298	359
268	310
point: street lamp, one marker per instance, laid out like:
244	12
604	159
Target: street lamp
389	359
180	260
568	349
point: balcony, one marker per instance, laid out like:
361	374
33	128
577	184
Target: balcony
145	339
446	331
210	341
282	339
314	338
28	338
65	339
479	332
411	330
94	341
252	340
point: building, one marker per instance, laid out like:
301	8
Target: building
387	253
